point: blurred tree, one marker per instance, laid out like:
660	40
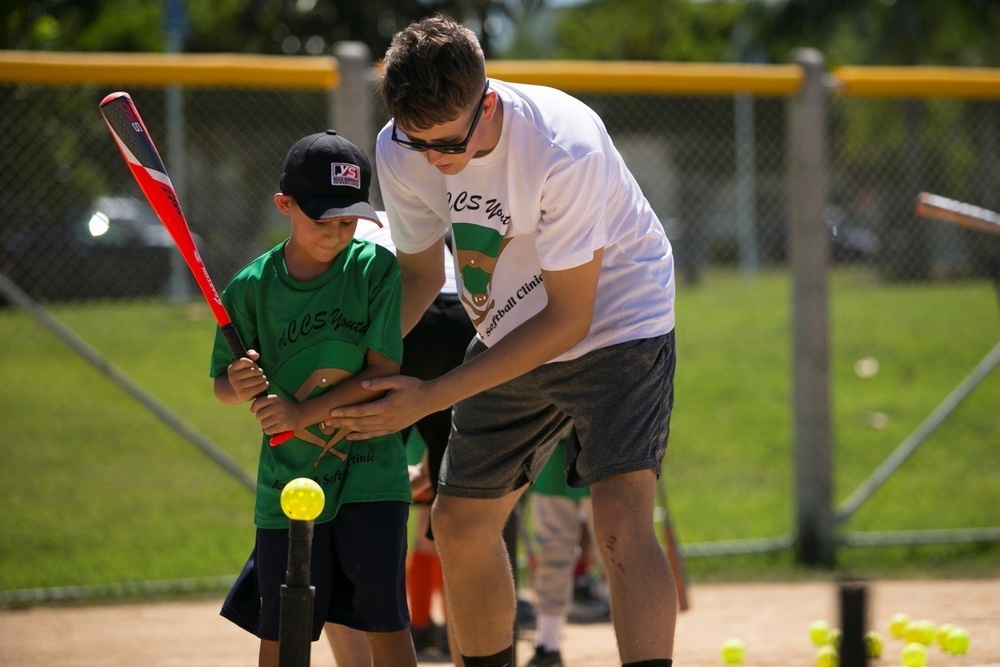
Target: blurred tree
237	26
882	32
304	26
678	30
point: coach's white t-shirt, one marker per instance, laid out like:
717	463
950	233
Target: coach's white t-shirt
552	192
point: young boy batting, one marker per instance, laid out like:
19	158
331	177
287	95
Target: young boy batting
320	313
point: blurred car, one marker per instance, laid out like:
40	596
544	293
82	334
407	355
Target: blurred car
850	241
115	248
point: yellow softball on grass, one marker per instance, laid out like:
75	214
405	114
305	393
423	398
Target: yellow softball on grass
302	499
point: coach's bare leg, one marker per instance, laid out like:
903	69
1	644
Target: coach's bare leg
479	583
643	594
350	647
392	649
453	647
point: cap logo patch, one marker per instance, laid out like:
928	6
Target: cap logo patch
346	174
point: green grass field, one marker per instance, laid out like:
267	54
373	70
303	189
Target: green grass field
95	490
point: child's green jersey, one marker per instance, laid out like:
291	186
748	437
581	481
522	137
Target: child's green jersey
551	479
311	336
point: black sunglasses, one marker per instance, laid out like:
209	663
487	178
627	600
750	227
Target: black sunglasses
451	149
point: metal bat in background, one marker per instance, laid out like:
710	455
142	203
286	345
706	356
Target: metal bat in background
673	550
960	213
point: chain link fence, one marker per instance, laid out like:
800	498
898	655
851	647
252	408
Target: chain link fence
61	172
713	168
76	232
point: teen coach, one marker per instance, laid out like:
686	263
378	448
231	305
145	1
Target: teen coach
569	278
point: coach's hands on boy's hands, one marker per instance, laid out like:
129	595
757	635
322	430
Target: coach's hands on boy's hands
408	399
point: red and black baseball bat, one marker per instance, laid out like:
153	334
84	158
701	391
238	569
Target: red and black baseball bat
142	158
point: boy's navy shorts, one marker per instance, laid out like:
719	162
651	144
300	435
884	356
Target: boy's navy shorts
358	570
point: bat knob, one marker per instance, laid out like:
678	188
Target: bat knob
279	438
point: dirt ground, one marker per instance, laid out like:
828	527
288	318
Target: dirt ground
771	619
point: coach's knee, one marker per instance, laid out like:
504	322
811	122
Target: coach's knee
451	521
623	513
464	521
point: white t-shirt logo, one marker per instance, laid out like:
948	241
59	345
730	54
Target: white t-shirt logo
342	173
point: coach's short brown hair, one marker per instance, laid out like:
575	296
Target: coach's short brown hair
434	71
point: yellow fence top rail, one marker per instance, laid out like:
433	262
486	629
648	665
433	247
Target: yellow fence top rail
158	69
651	77
319	72
618	77
917	82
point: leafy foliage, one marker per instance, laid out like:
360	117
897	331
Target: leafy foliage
888	32
668	30
234	26
866	32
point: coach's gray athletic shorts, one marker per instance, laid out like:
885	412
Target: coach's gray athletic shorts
619	399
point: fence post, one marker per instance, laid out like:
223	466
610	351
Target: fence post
352	102
809	258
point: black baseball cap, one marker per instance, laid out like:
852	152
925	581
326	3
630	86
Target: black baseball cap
328	177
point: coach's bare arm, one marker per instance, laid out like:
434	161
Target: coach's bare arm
276	415
422	276
562	323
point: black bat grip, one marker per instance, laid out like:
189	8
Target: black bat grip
239	351
236	345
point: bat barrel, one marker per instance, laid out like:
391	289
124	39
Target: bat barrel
143	160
